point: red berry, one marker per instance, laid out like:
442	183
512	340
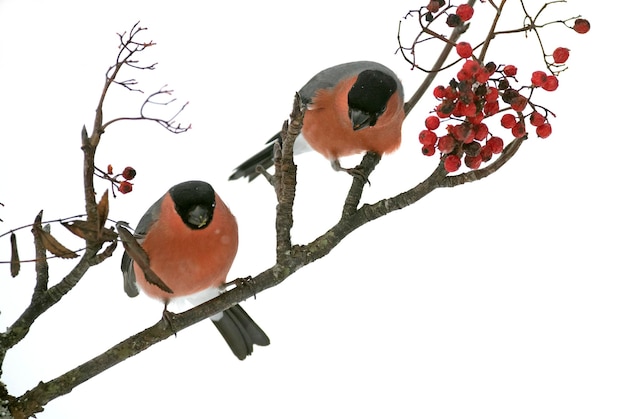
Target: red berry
467	110
109	169
471	66
509	70
439	92
538	78
452	163
428	150
508	120
486	153
463	133
125	187
519	130
560	55
496	144
544	130
427	137
491	95
582	25
476	119
446	144
480	131
473	162
445	109
465	12
464	75
432	123
451	93
491	108
551	83
482	75
464	49
519	103
536	119
129	173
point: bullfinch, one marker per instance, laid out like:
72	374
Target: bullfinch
351	108
191	238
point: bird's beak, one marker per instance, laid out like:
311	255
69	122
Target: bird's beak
361	119
198	216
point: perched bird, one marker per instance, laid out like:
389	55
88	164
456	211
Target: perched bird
351	108
191	238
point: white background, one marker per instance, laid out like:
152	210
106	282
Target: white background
501	298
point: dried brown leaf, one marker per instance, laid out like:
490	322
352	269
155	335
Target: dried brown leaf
136	252
15	258
86	231
53	246
103	211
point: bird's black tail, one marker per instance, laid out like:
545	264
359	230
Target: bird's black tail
263	158
240	331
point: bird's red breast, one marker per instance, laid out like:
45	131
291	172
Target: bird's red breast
328	129
187	260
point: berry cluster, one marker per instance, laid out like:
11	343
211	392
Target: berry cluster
123	186
480	91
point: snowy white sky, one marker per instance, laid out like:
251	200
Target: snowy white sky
501	298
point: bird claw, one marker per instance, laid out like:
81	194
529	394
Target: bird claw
239	282
168	317
356	171
269	177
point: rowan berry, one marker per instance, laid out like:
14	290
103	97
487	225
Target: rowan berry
480	131
538	78
465	12
491	108
427	138
582	26
510	95
471	66
435	5
428	150
519	103
125	187
519	129
129	173
491	94
453	20
551	83
452	163
482	75
560	55
536	119
476	119
473	162
496	144
464	49
486	153
446	144
503	84
463	133
439	92
472	149
508	120
445	109
544	130
432	123
509	70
